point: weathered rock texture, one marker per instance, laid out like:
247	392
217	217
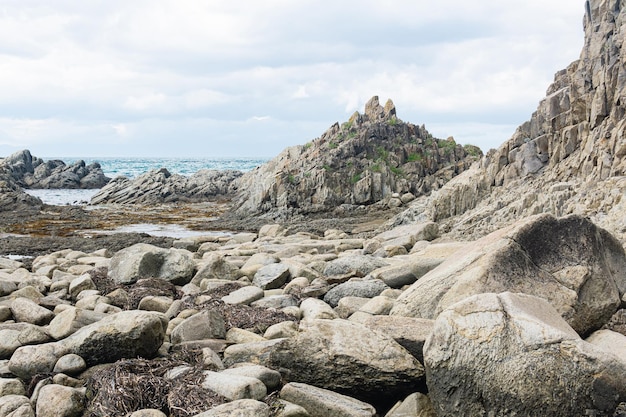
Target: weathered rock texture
361	162
568	158
160	186
31	172
576	266
511	354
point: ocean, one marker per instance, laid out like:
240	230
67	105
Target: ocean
133	167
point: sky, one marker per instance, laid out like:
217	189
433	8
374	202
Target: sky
207	78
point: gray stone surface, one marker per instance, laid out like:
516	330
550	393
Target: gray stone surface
323	403
497	354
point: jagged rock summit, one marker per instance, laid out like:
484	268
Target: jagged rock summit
373	158
569	158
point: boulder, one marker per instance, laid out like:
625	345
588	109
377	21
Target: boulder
216	266
513	354
575	265
348	358
367	288
123	335
358	265
207	324
147	261
319	402
238	408
233	386
271	276
410	333
28	311
60	401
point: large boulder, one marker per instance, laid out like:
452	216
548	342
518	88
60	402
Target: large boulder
512	354
147	261
349	358
578	267
127	334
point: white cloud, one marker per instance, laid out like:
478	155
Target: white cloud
112	70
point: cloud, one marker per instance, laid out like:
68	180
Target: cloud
79	75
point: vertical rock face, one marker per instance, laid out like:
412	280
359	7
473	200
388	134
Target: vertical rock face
569	157
360	162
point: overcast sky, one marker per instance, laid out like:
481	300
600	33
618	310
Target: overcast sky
249	77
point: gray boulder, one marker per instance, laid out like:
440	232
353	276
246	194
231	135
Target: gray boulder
348	358
319	402
355	288
122	335
513	354
207	324
359	265
271	276
147	261
60	401
578	267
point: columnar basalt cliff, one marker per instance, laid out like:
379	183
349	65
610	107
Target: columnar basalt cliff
568	158
364	161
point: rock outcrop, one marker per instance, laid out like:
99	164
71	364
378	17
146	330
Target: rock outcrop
578	267
31	172
511	354
569	158
160	186
373	158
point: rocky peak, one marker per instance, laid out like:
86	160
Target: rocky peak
373	158
375	112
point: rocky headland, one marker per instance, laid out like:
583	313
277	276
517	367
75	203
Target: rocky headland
443	288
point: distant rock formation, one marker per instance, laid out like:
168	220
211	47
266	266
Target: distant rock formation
31	172
373	158
160	186
569	158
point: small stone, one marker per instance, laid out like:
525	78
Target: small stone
267	376
244	295
234	387
235	335
238	408
281	330
271	276
155	303
11	386
82	283
59	401
28	311
70	364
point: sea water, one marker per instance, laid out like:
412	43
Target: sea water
132	168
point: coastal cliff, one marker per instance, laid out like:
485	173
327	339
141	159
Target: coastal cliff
569	158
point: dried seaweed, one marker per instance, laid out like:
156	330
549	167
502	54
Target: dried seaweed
135	384
150	287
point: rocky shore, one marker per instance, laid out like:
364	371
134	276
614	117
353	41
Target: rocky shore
375	271
529	319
